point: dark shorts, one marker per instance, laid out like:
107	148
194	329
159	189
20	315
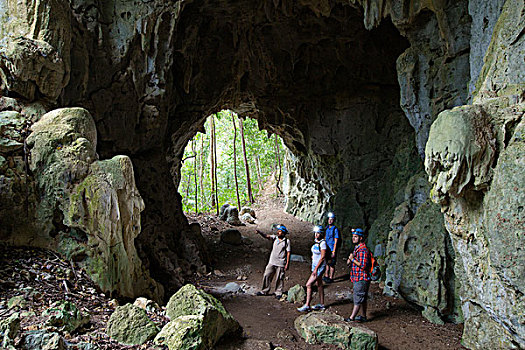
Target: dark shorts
361	292
333	261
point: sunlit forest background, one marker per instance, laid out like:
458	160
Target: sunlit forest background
230	163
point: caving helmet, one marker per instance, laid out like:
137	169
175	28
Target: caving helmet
282	228
331	215
358	231
318	229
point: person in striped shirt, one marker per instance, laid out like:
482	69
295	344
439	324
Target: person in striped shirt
359	261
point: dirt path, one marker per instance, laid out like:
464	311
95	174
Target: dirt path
268	320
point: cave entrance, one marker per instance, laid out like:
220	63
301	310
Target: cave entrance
232	161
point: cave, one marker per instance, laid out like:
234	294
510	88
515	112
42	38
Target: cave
354	89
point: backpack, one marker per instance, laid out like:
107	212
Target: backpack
375	270
328	254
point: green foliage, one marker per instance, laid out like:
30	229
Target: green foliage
259	144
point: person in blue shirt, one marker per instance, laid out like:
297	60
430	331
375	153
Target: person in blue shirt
333	239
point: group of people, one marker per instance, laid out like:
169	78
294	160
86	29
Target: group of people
327	243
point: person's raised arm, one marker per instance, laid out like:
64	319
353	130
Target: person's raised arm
263	235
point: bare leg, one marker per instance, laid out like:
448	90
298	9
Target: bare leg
309	284
363	308
320	288
355	310
331	272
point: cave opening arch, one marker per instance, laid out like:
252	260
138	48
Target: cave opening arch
320	80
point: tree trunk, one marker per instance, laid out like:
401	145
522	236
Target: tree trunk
235	162
194	149
201	169
278	158
212	161
246	165
215	168
258	171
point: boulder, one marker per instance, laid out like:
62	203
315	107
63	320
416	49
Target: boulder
130	325
230	214
66	316
296	294
248	218
329	328
248	210
191	308
231	236
43	340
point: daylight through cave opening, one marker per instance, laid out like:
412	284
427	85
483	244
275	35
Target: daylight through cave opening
230	161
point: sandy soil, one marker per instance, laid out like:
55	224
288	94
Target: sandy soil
268	322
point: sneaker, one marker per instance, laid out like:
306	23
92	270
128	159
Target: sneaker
260	294
278	296
360	318
326	279
318	307
304	308
349	319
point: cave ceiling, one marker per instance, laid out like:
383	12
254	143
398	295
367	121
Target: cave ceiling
277	64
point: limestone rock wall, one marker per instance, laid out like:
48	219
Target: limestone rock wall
474	158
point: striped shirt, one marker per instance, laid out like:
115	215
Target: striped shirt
360	273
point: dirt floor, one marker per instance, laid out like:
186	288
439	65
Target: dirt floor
42	277
268	320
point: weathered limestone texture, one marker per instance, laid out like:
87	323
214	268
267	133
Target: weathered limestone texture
419	256
475	161
36	38
433	70
88	203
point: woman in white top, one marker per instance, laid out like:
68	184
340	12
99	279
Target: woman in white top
318	268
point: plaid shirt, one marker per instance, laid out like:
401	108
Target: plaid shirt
360	273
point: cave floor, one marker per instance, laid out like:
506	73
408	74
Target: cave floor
268	322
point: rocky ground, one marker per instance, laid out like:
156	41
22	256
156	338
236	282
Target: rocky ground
40	278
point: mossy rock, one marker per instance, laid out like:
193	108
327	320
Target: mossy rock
183	333
65	315
130	325
216	321
329	328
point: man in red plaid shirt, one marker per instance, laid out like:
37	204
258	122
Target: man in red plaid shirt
359	261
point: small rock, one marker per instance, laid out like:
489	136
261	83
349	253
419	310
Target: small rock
65	315
218	273
41	339
232	287
296	294
18	301
146	304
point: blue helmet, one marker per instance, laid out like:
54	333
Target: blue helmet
331	215
282	228
358	231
